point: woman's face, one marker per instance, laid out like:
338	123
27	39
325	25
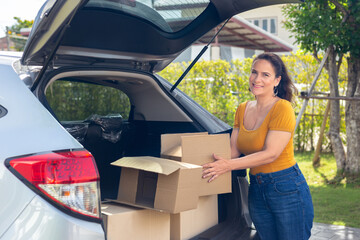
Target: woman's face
263	78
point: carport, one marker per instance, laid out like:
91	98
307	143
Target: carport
238	32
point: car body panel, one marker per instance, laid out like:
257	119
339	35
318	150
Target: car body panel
29	128
41	221
12	191
38	131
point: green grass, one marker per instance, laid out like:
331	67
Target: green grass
336	197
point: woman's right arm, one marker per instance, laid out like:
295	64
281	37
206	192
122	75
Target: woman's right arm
234	150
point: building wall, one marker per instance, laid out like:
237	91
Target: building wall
3	44
273	11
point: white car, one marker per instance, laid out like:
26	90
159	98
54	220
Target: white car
84	93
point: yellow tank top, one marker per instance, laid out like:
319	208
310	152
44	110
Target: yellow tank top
281	117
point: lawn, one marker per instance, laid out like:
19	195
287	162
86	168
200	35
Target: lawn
336	198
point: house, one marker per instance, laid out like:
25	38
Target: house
271	20
246	35
6	44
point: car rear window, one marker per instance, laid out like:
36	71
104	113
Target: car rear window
73	100
168	15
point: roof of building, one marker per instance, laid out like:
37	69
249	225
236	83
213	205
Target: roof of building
238	32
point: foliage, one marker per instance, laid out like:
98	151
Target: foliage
354	39
220	86
333	25
217	86
73	101
15	29
14	32
302	67
312	23
317	24
326	185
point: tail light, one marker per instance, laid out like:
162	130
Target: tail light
67	179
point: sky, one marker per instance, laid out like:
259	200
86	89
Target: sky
24	9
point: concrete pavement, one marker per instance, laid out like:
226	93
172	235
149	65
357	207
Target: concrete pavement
321	231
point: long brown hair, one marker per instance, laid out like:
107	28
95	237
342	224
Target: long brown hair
286	88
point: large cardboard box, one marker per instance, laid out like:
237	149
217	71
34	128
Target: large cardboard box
159	184
188	224
198	148
124	222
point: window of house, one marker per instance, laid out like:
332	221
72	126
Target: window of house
267	24
273	26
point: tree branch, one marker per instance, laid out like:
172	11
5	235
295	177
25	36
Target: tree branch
341	8
315	54
339	62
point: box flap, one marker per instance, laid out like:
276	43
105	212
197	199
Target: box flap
110	208
153	164
170	141
174	153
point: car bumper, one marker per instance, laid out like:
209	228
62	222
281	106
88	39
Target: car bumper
41	221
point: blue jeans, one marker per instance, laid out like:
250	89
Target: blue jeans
280	205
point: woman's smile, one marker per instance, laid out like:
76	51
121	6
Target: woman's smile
263	78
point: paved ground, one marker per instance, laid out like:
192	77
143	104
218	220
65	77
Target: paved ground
322	231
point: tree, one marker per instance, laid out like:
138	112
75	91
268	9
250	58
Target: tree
14	32
320	25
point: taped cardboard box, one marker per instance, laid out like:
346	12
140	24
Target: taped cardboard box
198	149
124	222
188	224
159	184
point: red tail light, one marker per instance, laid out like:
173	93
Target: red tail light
68	179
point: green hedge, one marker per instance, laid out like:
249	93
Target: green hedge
220	86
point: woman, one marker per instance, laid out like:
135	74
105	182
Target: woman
280	203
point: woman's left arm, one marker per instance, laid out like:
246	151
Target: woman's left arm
275	143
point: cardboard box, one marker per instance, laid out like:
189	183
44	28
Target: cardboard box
171	144
198	148
159	184
186	225
124	222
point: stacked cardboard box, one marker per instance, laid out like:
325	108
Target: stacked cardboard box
198	148
173	185
123	222
188	224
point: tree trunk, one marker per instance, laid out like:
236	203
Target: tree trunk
334	131
352	117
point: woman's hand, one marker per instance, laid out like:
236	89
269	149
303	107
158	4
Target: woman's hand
216	168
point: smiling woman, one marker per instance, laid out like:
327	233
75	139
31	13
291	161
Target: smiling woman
279	198
263	78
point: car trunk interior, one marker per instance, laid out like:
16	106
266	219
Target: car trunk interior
110	137
135	132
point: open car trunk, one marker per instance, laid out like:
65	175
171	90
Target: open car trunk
110	114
